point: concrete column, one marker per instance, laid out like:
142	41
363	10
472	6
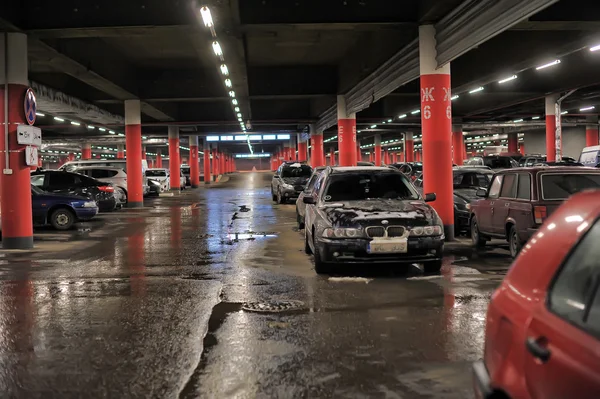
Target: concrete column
71	157
386	156
346	134
317	151
215	163
522	148
458	145
409	147
133	140
302	149
86	151
120	151
591	131
551	127
436	122
513	139
15	190
194	162
377	150
222	165
174	162
206	162
158	159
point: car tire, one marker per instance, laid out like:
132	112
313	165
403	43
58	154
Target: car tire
432	267
62	219
299	220
476	238
320	266
307	249
280	199
514	243
123	194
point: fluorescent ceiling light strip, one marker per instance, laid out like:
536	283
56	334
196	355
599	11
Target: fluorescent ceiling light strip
416	111
595	48
206	17
535	117
508	79
587	108
555	62
480	88
402	116
454	97
56	118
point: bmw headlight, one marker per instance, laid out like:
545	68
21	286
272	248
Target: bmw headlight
421	231
287	186
339	232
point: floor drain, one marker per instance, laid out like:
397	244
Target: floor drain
273	306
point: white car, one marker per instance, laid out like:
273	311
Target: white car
115	176
182	180
160	175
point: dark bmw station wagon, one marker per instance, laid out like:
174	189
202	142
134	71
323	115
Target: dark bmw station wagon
518	201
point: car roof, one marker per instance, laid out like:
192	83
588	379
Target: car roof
348	169
99	167
538	169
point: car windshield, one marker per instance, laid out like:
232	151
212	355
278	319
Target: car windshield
562	186
471	179
156	173
365	186
296	170
499	162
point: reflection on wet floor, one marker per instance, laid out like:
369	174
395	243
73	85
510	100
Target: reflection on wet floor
209	294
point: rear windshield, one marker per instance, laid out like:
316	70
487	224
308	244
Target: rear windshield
499	163
296	170
472	179
559	187
364	186
155	173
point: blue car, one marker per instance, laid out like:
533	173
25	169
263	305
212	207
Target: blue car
60	211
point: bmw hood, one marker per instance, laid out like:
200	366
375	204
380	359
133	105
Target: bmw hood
380	211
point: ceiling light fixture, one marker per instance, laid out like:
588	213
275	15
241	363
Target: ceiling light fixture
228	82
555	62
402	116
39	114
535	117
206	17
587	108
56	118
217	49
91	127
518	120
234	102
232	93
102	129
237	109
595	48
480	88
224	70
454	97
373	126
75	123
564	112
507	79
389	120
111	131
416	111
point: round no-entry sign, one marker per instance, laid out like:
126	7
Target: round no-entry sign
30	106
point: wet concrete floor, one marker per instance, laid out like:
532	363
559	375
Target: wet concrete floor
209	294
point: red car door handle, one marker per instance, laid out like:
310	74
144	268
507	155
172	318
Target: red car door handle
537	350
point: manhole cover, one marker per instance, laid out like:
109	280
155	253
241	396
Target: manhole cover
273	306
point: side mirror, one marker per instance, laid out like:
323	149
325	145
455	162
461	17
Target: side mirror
481	192
308	200
430	197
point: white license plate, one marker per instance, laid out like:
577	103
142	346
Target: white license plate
388	246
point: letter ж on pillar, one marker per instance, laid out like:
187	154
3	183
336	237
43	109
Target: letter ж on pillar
346	134
17	223
436	122
174	163
133	140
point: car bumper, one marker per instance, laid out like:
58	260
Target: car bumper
348	250
107	205
481	381
461	220
290	194
86	213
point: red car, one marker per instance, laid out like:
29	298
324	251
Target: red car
543	323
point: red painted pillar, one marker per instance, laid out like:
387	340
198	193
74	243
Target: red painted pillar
371	156
86	151
401	157
194	162
144	156
377	150
458	145
513	139
222	165
317	151
70	157
215	164
436	122
302	149
591	132
174	166
158	159
332	156
17	230
409	147
120	151
386	156
133	140
207	174
358	151
551	127
150	163
346	134
522	148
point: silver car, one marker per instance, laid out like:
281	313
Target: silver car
289	181
300	205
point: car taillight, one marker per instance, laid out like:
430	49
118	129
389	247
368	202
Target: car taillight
413	177
106	189
539	212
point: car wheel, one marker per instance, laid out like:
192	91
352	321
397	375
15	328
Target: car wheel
514	243
478	240
280	199
273	195
320	266
62	219
299	220
432	267
122	195
307	249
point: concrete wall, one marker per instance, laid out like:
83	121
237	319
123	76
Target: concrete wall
573	141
